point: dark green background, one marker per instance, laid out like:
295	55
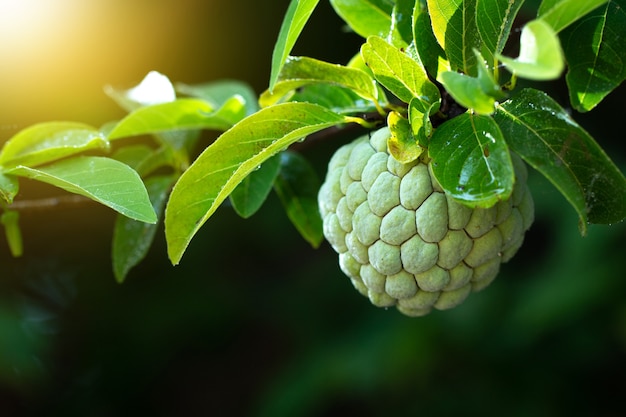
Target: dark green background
254	322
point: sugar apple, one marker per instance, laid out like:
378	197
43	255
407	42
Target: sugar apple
403	241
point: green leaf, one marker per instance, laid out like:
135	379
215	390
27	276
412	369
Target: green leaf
9	187
338	99
425	44
545	136
298	14
471	160
132	239
182	114
400	74
454	26
561	13
301	71
248	197
494	19
594	50
468	92
47	142
219	92
10	220
402	145
155	88
297	185
366	17
104	180
541	57
234	155
401	33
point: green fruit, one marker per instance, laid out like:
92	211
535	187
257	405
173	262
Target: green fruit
404	242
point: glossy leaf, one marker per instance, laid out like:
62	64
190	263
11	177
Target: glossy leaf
400	74
471	160
431	55
402	145
454	26
234	155
297	186
561	13
182	114
9	187
302	71
340	100
10	220
366	17
401	33
541	57
219	92
594	49
155	88
545	136
47	142
468	92
132	239
248	197
104	180
297	15
494	20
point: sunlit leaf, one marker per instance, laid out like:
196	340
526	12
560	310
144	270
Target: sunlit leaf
494	20
594	49
366	17
155	88
234	155
219	92
401	33
9	187
561	13
104	180
541	57
454	26
297	15
131	238
301	71
429	51
248	197
468	92
182	114
471	160
402	145
400	74
545	136
297	186
338	99
47	142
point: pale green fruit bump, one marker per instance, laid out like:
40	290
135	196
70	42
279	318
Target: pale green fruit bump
402	241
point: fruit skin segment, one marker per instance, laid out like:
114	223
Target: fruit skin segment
402	241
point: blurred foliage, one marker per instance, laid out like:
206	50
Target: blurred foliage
256	323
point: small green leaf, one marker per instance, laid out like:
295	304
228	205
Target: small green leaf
401	33
366	17
297	15
545	136
402	145
594	50
10	220
301	71
234	155
132	239
155	88
468	92
338	99
104	180
182	114
494	20
297	185
561	13
47	142
248	197
400	74
471	160
541	57
9	187
454	26
219	92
